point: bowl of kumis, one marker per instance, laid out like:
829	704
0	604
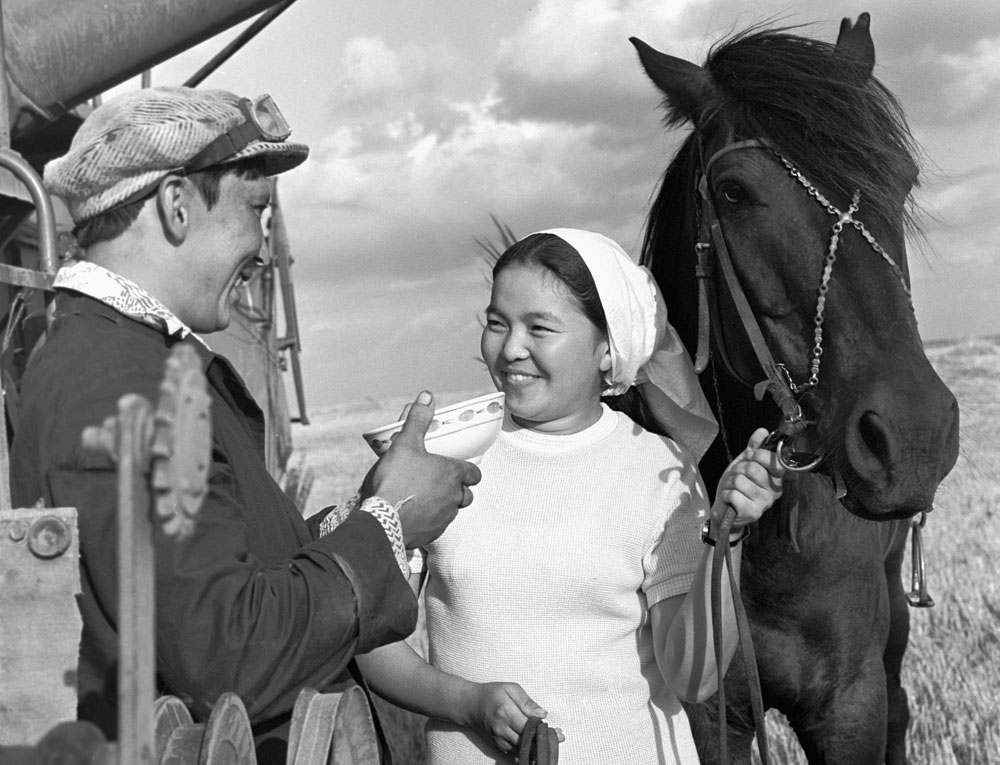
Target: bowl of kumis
462	431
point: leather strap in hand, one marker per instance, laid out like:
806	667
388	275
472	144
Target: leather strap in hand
539	744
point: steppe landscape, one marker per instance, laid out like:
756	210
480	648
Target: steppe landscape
952	668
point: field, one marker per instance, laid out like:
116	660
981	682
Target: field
952	668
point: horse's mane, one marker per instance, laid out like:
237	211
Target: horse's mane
838	125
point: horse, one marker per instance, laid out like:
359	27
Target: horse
780	225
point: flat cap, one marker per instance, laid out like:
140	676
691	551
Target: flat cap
131	142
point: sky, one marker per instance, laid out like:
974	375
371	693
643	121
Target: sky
426	118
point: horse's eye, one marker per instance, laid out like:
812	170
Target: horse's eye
733	194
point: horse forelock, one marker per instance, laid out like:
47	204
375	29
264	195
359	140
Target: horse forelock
843	129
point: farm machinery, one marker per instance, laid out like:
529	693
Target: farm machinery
58	58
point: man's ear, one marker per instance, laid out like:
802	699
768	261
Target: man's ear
173	204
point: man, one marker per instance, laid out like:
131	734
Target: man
166	187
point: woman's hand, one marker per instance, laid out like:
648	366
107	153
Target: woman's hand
751	483
500	710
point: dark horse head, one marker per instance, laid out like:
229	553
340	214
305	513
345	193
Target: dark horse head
792	136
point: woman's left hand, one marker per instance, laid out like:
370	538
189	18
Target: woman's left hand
751	483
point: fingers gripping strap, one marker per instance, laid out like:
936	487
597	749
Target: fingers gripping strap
539	744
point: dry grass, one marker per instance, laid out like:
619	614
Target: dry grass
952	668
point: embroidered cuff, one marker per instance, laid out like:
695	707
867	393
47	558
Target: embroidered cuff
387	515
337	515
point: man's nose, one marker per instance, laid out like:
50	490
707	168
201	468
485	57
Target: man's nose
263	257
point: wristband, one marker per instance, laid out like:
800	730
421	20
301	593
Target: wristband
388	516
706	534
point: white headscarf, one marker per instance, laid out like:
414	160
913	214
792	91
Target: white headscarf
645	349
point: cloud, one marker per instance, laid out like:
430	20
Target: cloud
567	132
961	218
417	201
571	61
975	79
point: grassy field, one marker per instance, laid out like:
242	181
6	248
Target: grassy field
952	668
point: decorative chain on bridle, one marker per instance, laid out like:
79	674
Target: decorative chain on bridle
831	257
779	382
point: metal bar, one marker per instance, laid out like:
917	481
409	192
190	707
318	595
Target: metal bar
244	37
25	277
281	251
4	106
136	589
43	207
4	144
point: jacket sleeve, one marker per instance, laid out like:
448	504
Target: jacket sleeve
228	621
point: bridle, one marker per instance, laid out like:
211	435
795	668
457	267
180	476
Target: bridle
778	381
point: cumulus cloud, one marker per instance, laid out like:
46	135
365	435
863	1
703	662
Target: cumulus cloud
961	218
567	132
571	61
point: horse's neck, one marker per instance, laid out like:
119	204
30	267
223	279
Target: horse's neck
741	414
803	513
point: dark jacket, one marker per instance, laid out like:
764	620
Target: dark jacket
250	603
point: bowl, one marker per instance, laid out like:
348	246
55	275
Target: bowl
463	431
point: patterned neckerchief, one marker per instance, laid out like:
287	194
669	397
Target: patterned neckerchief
122	294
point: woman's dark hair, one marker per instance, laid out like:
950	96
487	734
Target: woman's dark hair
562	260
110	224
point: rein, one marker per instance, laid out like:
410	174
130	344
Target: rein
779	383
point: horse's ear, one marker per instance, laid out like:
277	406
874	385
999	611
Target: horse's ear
688	87
855	41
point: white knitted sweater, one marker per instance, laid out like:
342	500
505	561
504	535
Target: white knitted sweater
546	579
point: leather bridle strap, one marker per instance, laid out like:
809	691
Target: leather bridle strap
539	744
723	555
776	384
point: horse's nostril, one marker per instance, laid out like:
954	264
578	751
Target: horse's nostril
872	449
876	437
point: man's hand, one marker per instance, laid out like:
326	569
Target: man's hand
438	486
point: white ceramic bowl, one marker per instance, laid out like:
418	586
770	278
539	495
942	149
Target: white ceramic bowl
464	430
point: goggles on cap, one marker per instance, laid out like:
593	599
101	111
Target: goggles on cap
263	122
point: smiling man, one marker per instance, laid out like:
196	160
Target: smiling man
166	187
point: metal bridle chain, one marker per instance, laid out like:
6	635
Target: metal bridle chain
829	260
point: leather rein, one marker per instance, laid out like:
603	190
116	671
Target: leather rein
779	383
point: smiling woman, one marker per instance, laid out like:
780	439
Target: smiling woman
535	338
571	318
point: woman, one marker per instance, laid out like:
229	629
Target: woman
578	570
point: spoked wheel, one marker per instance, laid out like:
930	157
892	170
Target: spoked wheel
332	728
